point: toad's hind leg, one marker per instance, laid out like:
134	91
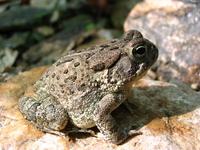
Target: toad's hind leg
47	115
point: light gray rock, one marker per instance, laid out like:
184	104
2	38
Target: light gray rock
173	25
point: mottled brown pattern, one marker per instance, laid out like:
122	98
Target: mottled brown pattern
86	87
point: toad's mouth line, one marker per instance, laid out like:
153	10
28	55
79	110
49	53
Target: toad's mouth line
142	69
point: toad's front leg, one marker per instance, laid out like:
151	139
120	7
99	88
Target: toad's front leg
105	122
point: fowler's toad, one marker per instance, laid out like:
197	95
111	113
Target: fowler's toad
86	87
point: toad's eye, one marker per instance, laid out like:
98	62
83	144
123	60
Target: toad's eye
139	50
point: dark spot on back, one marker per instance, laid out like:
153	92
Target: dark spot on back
114	48
101	49
65	71
61	85
104	45
76	64
58	77
88	55
73	78
53	75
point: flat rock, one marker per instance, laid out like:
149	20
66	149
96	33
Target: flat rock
173	26
167	115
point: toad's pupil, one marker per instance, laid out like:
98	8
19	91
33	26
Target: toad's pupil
140	50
